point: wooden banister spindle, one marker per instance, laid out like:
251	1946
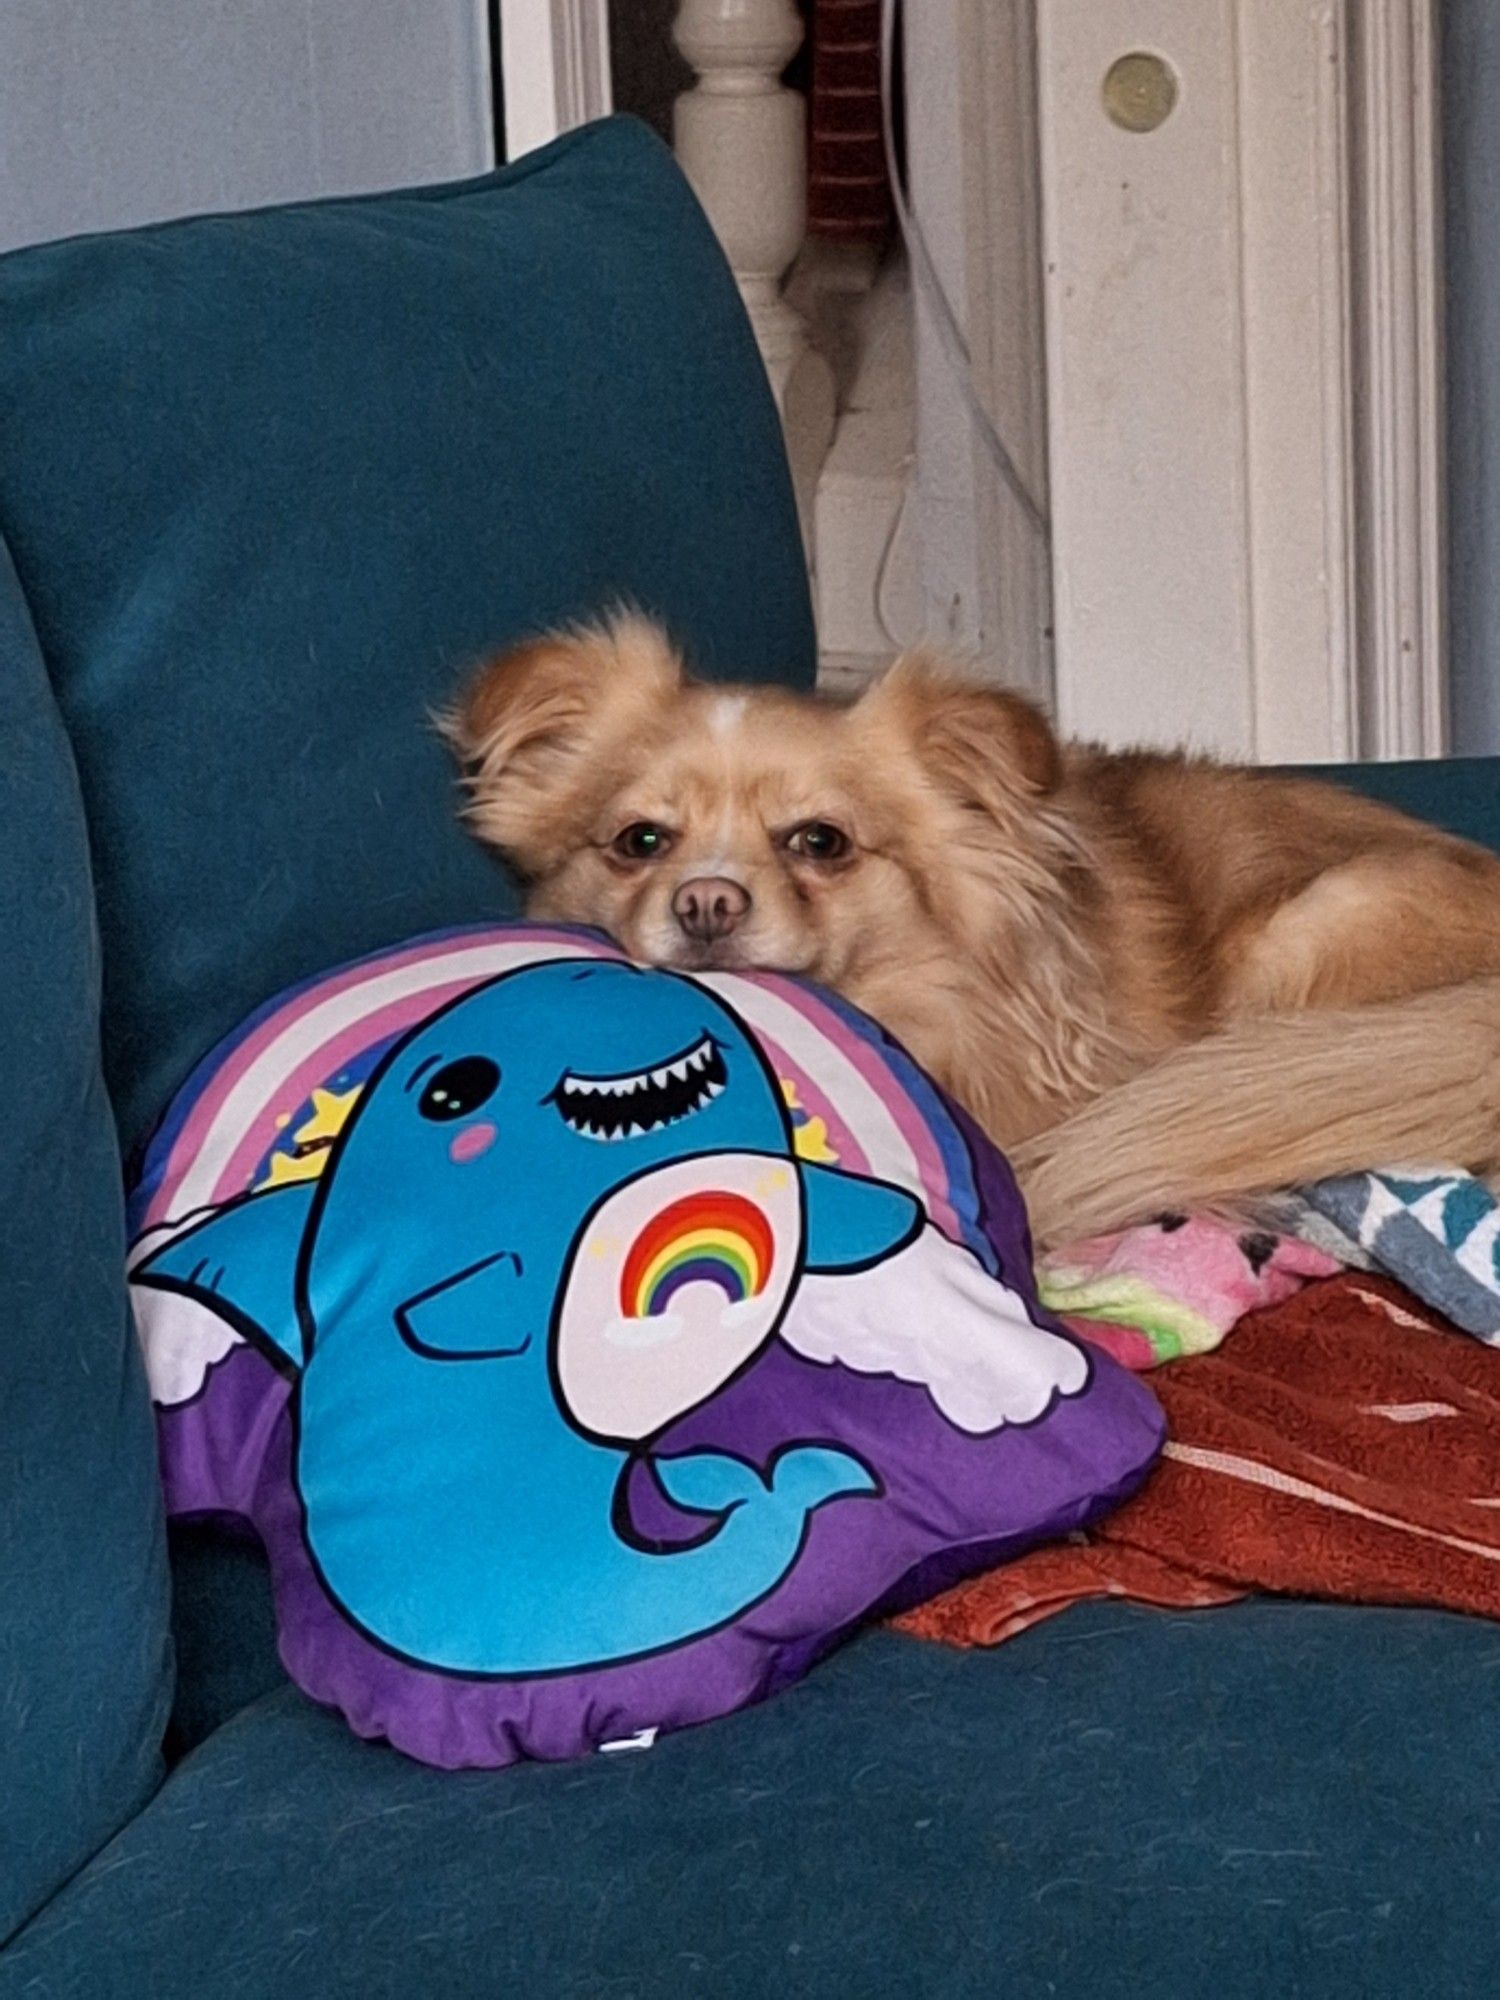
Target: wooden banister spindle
741	139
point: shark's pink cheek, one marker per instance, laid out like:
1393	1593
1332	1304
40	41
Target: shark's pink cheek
472	1142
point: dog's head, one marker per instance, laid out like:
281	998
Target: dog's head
744	827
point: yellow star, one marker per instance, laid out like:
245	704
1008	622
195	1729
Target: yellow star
286	1167
312	1139
810	1142
331	1110
810	1138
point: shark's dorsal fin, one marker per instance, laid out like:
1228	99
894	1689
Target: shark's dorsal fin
853	1223
241	1262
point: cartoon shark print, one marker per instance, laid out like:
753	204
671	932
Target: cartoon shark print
566	1209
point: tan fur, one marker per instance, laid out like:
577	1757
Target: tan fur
1160	982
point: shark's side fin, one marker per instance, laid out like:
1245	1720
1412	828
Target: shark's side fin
853	1223
241	1262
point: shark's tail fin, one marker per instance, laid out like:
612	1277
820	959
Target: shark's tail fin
807	1475
802	1477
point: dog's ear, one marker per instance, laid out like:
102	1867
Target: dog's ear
536	723
987	746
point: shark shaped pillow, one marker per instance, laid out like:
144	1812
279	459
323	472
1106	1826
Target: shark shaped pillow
592	1347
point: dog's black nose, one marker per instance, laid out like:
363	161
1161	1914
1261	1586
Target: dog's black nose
709	907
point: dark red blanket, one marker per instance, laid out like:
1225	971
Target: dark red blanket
1341	1445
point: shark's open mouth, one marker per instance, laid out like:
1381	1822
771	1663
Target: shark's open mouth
627	1107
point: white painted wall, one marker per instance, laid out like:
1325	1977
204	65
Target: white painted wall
115	112
1146	362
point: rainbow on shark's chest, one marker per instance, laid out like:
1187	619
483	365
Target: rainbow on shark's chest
716	1238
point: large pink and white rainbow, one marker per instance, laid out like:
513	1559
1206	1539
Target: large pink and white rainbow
880	1116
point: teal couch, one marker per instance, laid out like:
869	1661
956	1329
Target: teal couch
268	485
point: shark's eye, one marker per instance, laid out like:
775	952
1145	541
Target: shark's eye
459	1088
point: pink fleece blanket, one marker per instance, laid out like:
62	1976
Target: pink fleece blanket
1174	1287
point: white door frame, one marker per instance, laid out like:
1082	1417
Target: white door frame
1243	339
974	166
554	68
1394	218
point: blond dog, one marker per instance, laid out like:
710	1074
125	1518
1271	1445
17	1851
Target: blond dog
1157	981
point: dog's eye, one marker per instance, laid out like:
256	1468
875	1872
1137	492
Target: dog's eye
459	1088
642	841
819	840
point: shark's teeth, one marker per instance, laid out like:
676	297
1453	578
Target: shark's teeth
628	1107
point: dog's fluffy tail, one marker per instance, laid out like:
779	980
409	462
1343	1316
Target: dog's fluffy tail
1273	1104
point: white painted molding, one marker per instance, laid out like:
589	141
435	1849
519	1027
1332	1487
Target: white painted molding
741	138
972	148
554	68
1396	232
1297	301
1244	344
